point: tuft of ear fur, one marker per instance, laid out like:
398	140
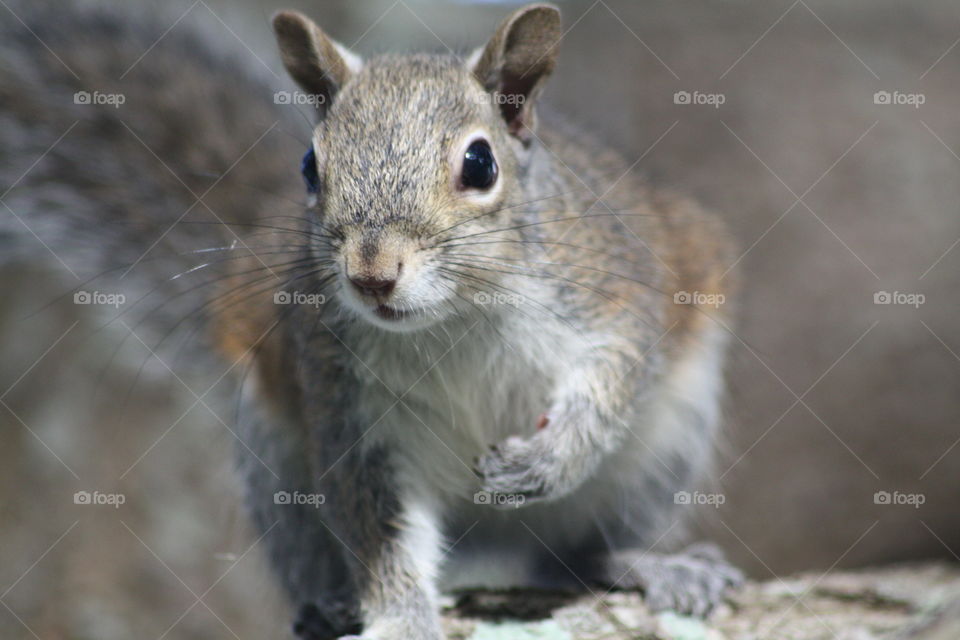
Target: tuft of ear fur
317	63
516	62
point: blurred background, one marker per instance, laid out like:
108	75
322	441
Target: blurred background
825	134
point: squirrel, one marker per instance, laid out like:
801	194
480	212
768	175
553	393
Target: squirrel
482	354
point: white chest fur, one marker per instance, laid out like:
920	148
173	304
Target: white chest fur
444	399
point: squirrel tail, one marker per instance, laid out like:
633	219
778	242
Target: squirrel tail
139	161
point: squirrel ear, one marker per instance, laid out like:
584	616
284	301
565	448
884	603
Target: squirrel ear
516	62
317	63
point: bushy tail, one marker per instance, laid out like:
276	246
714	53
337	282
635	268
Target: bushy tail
141	161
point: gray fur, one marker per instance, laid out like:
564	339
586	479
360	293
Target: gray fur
399	423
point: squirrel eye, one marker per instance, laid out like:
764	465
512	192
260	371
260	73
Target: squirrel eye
479	166
308	167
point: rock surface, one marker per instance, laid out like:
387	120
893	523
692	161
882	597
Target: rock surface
905	602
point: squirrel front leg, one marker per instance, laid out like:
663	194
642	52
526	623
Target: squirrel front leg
583	425
392	544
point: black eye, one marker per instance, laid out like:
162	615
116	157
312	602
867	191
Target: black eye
308	167
479	167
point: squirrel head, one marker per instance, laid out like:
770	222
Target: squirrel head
411	153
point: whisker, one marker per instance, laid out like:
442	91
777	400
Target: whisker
504	208
606	295
451	283
254	225
570	245
220	277
508	291
212	302
614	274
126	266
582	216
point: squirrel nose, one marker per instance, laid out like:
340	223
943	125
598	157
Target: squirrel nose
373	286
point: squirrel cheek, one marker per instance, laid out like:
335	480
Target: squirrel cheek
542	422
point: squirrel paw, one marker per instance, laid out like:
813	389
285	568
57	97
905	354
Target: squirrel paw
517	467
692	582
325	622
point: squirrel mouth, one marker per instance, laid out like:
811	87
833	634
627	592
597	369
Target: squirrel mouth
389	313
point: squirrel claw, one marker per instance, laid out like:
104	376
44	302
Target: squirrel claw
514	468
